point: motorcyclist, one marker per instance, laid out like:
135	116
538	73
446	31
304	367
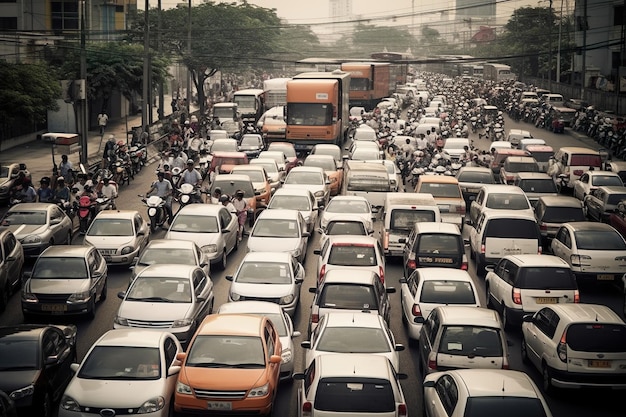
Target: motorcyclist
27	193
241	207
108	190
163	188
225	201
62	193
45	194
408	148
190	175
216	197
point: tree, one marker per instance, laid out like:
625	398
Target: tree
432	40
370	38
27	92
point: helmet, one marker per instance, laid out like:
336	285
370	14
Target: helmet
45	180
160	174
239	193
61	179
217	190
224	198
190	162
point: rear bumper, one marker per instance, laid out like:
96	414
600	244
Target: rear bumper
611	380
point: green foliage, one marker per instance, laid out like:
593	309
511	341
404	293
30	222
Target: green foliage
27	92
370	38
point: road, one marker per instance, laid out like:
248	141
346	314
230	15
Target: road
570	404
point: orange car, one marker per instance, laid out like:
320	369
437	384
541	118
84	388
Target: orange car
232	365
327	163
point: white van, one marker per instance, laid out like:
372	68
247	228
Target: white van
516	135
524	143
571	162
400	213
366	179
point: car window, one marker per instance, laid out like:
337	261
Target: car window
448	393
355	395
93	264
170	351
447	292
269	339
546	321
199	281
225	218
508	405
599	240
542	278
471	340
51	343
405	219
412	282
597	337
434	326
348	296
439	243
309	377
352	255
512	228
138	223
339	227
510	273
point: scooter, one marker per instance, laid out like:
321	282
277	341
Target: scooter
156	211
187	194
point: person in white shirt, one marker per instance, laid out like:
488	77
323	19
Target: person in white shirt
102	121
109	191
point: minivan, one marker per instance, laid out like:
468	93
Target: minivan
572	162
366	179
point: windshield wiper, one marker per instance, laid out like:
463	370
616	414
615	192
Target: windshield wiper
210	365
156	299
248	365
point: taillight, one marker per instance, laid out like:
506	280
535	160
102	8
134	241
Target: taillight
461	209
505	364
416	310
432	362
577	260
576	296
517	296
307	408
322	273
482	248
411	264
464	266
561	349
543	227
386	241
381	273
315	317
402	412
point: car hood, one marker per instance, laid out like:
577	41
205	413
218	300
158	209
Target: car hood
99	393
201	239
57	286
147	311
110	242
223	379
22	230
271	244
262	290
12	380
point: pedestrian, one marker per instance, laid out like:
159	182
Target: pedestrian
241	206
103	118
66	169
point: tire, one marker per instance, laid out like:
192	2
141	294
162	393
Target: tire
506	322
91	311
546	379
251	220
236	245
222	263
524	351
489	302
69	238
210	309
480	267
83	224
103	295
153	226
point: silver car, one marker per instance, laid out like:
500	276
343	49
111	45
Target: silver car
268	276
313	179
166	296
293	199
280	231
170	251
37	226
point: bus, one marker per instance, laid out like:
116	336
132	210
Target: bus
250	104
399	65
369	82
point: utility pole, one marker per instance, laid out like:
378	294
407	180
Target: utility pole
583	70
81	98
558	54
161	111
550	22
189	52
145	107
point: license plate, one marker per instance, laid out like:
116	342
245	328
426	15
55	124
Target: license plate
546	300
106	251
599	364
219	405
55	308
606	277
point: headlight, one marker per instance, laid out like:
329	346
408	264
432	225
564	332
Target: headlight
152	405
32	239
209	248
127	249
79	297
151	211
234	296
183	388
286	299
259	391
22	392
319	194
4	189
182	323
184	199
69	404
29	297
295	253
286	356
122	321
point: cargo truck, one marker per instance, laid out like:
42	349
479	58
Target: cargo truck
369	82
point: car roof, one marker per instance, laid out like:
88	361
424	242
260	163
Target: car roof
66	251
307	169
476	169
601	172
500	382
590	226
263	161
267	257
580	312
466	315
560	201
224	154
438	179
250	307
354	365
168	270
229	177
350	198
437	227
349	276
170	244
579	149
201	209
444	274
132	337
547	261
343	319
352	239
293	191
523	159
501	189
247	167
117	214
231	324
326	146
22	332
534	175
279	214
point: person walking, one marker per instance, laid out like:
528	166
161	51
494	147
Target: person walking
241	206
66	169
103	118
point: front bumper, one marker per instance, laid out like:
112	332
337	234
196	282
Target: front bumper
117	259
56	309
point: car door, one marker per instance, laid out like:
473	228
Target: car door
171	347
476	205
202	288
539	335
56	360
226	228
581	185
323	257
384	306
562	244
142	231
13	257
408	291
59	224
95	275
495	281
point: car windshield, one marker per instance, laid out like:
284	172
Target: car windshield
18	354
111	227
263	273
543	278
348	296
352	255
507	201
441	190
59	268
230	187
335	153
521	167
327	164
596	337
614	199
4	172
195	224
538	186
178	256
353	340
347	206
355	395
447	292
504	406
439	243
160	289
122	363
402	219
289	151
35	218
471	341
599	240
374	182
255	175
224	145
250	140
290	202
345	228
209	351
275	228
542	156
227	160
563	214
270	167
365	154
600	180
305	178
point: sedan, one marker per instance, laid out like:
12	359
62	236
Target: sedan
118	235
251	145
35	365
313	179
268	276
328	149
328	164
173	297
350	253
352	333
293	199
11	266
280	231
290	153
37	226
357	206
275	175
603	201
471	179
65	280
260	181
170	251
281	321
595	251
133	371
591	180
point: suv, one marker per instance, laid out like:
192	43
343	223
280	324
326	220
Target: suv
514	164
576	346
447	194
433	244
535	185
515	135
571	163
521	284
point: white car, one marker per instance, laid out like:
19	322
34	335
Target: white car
166	296
576	346
273	171
356	385
278	156
118	235
499	197
170	251
268	276
591	180
125	369
349	204
366	133
340	332
364	151
595	251
483	392
280	231
350	252
313	179
522	284
210	226
328	149
427	288
282	322
395	177
295	199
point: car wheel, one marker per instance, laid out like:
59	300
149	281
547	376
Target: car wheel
103	294
506	321
524	351
236	245
91	310
480	267
222	264
68	239
546	379
489	302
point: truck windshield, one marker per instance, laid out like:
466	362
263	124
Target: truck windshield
309	114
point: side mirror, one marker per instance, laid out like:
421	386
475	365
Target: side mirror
527	318
121	295
306	344
229	277
317	252
173	370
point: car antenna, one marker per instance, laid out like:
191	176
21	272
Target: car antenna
503	389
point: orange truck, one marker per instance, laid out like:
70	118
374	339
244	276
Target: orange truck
369	82
317	109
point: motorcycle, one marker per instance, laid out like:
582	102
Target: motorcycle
86	209
187	194
138	157
156	211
